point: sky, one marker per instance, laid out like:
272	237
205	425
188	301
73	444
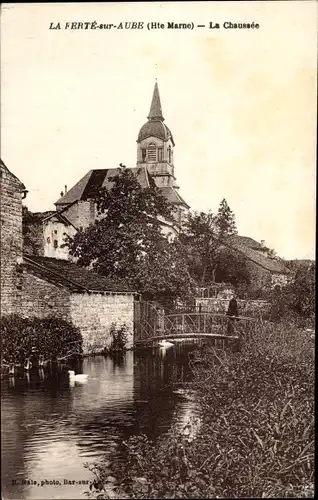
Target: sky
241	104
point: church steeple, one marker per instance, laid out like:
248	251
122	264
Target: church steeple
155	113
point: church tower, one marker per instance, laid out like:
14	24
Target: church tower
155	145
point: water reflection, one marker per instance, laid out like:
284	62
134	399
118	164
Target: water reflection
50	429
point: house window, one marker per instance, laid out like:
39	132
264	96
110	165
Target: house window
56	244
160	154
152	152
143	154
48	240
55	231
169	154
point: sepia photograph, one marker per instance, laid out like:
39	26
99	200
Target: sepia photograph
158	273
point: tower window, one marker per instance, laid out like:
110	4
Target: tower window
152	152
55	244
143	154
160	154
169	154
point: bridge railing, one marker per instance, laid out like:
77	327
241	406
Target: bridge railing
188	323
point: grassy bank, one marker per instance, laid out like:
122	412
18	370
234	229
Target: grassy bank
257	427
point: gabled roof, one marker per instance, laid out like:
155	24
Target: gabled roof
40	217
96	179
20	184
239	244
61	217
71	276
247	241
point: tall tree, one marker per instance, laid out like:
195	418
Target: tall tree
225	220
199	241
126	241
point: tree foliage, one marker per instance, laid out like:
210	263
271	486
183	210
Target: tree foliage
298	299
126	241
199	239
225	220
31	231
208	259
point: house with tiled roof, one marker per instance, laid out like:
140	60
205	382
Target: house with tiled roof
264	269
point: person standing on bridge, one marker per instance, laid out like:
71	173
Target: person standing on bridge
233	313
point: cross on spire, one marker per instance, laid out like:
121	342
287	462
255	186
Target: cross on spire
155	112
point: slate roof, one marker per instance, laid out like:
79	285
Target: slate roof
247	241
71	276
172	195
241	244
155	127
155	112
4	167
96	179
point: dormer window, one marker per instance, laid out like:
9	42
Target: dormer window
169	154
152	152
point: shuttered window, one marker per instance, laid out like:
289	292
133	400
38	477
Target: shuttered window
152	152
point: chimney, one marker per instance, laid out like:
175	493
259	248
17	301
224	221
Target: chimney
65	188
61	194
263	243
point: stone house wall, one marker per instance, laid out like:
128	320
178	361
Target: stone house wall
94	313
54	238
11	240
42	299
81	213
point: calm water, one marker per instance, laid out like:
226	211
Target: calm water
50	429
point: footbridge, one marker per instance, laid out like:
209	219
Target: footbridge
153	325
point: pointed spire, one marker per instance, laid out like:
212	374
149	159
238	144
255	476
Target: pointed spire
155	112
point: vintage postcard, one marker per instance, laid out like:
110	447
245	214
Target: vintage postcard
158	193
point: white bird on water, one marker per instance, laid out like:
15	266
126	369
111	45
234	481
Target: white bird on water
81	377
165	343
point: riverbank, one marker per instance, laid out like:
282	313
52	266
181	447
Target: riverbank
256	437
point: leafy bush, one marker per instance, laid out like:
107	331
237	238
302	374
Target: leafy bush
296	300
256	437
52	337
119	337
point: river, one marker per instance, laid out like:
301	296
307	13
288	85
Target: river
50	428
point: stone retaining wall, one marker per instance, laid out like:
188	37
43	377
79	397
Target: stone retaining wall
253	308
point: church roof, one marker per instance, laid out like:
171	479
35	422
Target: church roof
155	127
172	196
155	112
96	179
